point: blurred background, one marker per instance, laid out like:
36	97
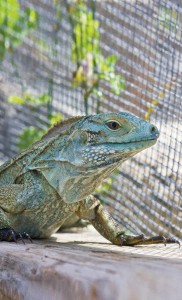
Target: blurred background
67	58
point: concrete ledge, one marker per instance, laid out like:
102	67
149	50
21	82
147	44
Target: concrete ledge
83	265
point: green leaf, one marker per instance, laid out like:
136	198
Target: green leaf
98	93
122	84
85	43
59	13
86	31
54	118
30	100
9	12
2	44
117	84
13	12
29	136
111	60
32	18
40	100
105	186
16	100
168	18
16	25
2	12
43	99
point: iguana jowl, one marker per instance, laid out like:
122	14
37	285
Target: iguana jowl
54	179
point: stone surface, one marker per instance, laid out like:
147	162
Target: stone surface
83	265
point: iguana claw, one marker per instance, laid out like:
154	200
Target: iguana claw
26	236
10	235
142	240
158	240
173	241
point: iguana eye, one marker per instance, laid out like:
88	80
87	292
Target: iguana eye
113	125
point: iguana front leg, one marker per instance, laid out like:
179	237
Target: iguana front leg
104	223
9	204
9	234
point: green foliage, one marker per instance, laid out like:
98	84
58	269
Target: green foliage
54	118
15	24
9	12
85	31
106	71
31	134
30	100
106	186
92	66
168	18
16	100
58	9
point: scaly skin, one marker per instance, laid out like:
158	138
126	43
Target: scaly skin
52	180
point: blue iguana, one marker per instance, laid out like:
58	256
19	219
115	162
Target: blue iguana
54	179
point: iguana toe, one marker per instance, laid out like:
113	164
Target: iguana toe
142	240
173	241
131	240
10	235
26	236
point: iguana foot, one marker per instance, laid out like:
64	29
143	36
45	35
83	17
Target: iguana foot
10	235
142	240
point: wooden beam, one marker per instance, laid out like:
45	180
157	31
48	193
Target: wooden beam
84	265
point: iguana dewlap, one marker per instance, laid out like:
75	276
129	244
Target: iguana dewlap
53	179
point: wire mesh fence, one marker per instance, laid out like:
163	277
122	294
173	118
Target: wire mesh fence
101	56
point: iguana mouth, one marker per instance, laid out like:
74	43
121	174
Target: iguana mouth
142	140
134	141
116	153
125	143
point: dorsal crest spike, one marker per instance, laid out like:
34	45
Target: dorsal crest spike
61	126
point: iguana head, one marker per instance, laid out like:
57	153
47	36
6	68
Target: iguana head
91	147
102	140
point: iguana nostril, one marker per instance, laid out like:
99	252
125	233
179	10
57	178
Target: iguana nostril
153	129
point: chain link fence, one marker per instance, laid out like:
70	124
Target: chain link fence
101	56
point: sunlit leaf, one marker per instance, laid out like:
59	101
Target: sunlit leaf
9	11
40	100
32	18
2	12
111	60
29	136
16	100
43	99
16	25
168	18
54	118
